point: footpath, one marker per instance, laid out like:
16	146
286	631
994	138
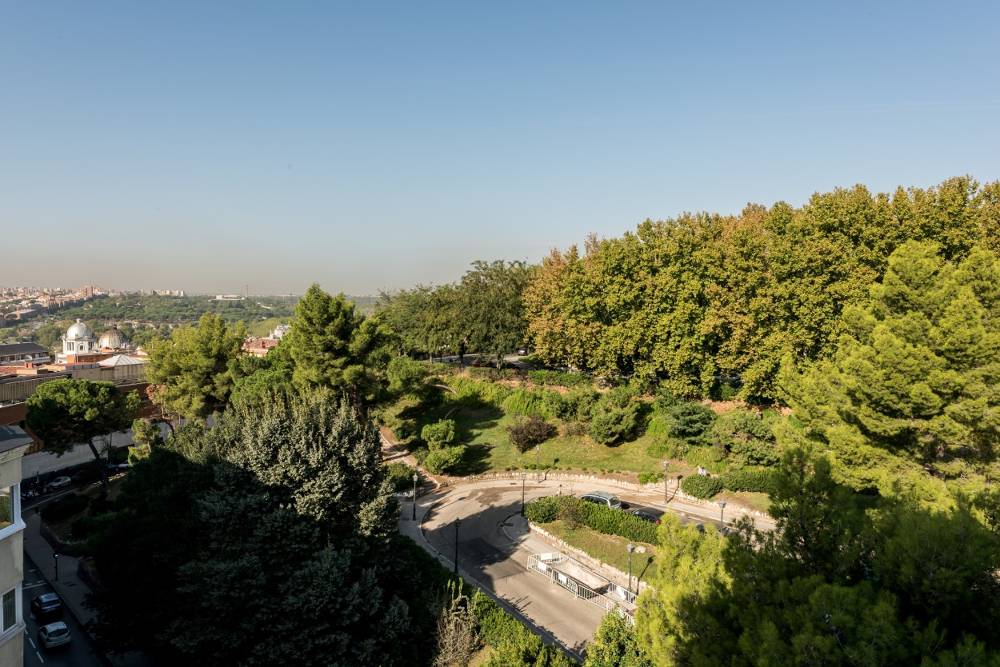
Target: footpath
71	589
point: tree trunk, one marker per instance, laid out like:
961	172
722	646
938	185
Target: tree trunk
100	464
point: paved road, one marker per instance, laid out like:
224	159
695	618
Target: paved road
496	555
80	653
43	462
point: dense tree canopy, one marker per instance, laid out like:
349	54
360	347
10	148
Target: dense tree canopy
193	369
835	584
703	299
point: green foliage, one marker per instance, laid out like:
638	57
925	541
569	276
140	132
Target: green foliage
146	434
138	453
914	372
513	644
334	346
746	437
438	434
896	585
615	416
615	645
749	479
702	298
178	309
668	448
710	458
596	517
400	476
406	376
690	421
526	432
444	460
701	486
559	378
193	369
525	402
650	477
64	413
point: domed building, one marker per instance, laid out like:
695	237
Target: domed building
113	340
78	345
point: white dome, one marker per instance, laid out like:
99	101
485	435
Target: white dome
79	331
112	339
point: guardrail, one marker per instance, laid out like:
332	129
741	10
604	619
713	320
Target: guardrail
548	565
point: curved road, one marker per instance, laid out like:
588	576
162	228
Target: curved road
494	544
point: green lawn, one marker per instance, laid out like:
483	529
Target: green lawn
609	549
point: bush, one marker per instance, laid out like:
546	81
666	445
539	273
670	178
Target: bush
709	458
579	403
65	507
700	486
439	434
596	517
471	391
527	432
512	643
575	429
406	376
524	402
747	437
400	476
668	448
690	421
749	479
442	460
650	477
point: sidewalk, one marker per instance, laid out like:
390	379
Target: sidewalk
69	587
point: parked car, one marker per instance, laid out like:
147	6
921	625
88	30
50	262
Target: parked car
602	498
646	516
53	635
58	484
46	606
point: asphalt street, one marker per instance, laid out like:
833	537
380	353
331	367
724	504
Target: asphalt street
79	653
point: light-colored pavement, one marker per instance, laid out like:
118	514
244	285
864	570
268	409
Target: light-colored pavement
43	462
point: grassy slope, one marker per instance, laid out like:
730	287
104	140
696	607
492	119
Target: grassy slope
609	549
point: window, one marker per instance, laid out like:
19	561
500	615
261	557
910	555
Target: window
7	505
9	609
69	346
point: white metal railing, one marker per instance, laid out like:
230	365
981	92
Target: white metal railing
547	565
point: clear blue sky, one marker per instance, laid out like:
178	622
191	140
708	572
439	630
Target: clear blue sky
207	145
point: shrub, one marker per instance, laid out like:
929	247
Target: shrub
64	507
690	421
471	391
615	416
138	453
400	476
747	437
701	486
558	378
650	477
669	448
442	460
749	479
512	643
709	458
526	432
658	426
523	402
575	511
438	434
575	429
406	376
579	403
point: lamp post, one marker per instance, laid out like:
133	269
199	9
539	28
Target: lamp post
665	500
722	513
55	558
457	522
416	478
677	490
631	549
524	476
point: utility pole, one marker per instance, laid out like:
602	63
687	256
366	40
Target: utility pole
631	549
457	522
722	513
524	476
665	500
414	503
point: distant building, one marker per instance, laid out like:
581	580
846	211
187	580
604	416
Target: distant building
13	442
79	345
230	297
19	354
280	331
259	347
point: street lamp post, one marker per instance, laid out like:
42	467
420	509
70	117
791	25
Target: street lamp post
678	489
416	478
457	522
55	558
722	513
665	483
631	550
524	476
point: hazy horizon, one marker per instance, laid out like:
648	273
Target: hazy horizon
206	148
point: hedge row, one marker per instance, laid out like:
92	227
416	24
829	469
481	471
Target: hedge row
596	517
749	479
701	486
512	643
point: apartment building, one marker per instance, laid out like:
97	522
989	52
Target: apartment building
13	442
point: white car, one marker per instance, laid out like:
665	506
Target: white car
53	635
57	484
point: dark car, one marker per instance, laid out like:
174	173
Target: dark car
46	605
646	516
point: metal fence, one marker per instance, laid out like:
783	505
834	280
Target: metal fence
553	565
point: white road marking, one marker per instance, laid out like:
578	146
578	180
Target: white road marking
40	583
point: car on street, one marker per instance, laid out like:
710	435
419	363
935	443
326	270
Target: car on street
46	606
58	484
646	516
602	498
54	635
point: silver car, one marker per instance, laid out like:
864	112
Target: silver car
602	498
53	635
